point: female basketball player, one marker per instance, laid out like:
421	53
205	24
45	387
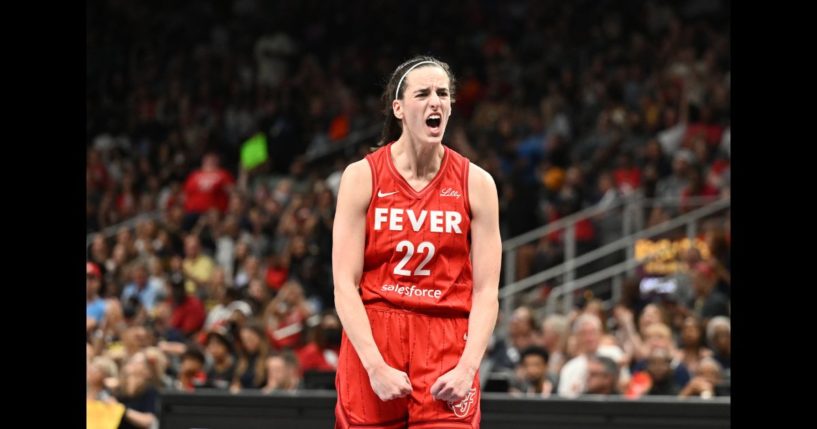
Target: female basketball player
416	258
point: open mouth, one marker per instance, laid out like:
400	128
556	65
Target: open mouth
434	120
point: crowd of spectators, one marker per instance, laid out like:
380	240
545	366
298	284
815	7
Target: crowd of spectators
225	280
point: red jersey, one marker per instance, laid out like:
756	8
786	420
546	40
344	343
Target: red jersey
206	190
418	244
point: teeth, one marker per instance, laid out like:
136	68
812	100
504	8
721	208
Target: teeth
434	117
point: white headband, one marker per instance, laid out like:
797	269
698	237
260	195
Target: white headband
400	82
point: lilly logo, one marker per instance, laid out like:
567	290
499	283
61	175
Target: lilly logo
449	192
461	409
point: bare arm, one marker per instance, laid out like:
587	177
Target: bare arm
348	238
486	255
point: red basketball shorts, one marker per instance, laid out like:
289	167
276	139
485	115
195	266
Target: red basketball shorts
424	347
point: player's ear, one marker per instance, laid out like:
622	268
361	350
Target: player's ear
397	109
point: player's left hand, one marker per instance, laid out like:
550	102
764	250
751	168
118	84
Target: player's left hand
453	385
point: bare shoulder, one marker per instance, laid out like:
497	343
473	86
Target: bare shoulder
480	183
358	170
356	183
482	195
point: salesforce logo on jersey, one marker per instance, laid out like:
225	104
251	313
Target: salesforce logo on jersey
412	290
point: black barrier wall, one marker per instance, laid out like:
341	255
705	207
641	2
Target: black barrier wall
315	409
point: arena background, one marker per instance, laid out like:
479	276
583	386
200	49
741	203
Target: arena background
606	126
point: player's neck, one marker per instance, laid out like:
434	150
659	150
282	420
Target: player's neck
416	159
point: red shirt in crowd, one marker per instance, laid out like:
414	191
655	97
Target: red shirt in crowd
204	190
627	177
188	316
288	332
313	358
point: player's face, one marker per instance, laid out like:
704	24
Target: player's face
426	104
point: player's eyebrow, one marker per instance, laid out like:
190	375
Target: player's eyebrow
426	90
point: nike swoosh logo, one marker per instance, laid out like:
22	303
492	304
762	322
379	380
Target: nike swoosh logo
381	194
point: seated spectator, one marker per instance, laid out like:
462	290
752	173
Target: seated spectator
285	315
657	379
707	302
719	337
692	348
191	374
523	333
533	368
149	291
282	372
222	363
138	395
696	187
220	313
101	375
206	188
197	267
708	376
659	336
101	315
602	376
554	340
187	311
321	352
251	370
587	330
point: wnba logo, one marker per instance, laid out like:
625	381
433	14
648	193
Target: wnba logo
461	409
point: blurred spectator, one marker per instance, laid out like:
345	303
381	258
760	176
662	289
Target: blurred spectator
673	186
285	315
708	376
132	341
283	372
719	337
321	352
101	376
102	410
221	361
572	379
716	238
187	311
257	295
707	302
205	189
100	314
249	270
191	371
660	373
277	271
221	312
554	340
158	364
148	291
251	371
696	187
659	336
632	339
535	378
198	267
692	349
522	331
602	376
138	395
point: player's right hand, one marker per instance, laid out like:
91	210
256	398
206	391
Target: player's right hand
389	383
